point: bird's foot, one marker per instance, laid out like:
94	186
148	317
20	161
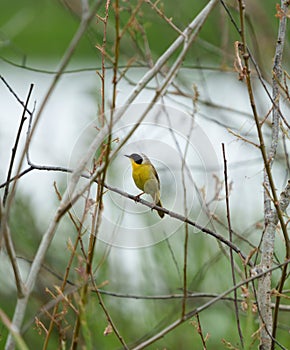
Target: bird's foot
137	198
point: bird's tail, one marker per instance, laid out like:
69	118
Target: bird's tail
160	213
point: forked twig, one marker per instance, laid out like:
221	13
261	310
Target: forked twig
14	148
6	205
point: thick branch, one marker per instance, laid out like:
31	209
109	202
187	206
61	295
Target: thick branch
272	217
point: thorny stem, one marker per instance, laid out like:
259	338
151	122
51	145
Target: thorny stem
162	15
97	215
65	278
107	154
101	180
270	224
258	71
199	330
109	319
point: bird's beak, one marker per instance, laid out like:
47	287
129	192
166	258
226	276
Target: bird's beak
126	155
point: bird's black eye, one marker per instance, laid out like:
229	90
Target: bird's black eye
137	158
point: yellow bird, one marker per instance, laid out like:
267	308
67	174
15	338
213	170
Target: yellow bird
145	177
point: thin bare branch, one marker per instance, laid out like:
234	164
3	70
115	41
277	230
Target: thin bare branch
141	201
109	317
231	239
163	16
277	77
5	231
15	334
14	149
22	303
21	290
270	226
198	310
15	95
199	330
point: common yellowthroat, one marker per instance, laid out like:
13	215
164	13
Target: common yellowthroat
145	177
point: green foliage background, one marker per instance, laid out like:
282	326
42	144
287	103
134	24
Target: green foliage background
36	34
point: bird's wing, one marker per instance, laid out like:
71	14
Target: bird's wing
147	160
156	175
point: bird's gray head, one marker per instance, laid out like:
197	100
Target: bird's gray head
136	157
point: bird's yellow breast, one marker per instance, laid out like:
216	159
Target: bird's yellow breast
141	173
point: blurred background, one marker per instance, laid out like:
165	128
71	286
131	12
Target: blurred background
137	255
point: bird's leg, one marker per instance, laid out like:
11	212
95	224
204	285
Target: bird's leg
155	200
138	196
